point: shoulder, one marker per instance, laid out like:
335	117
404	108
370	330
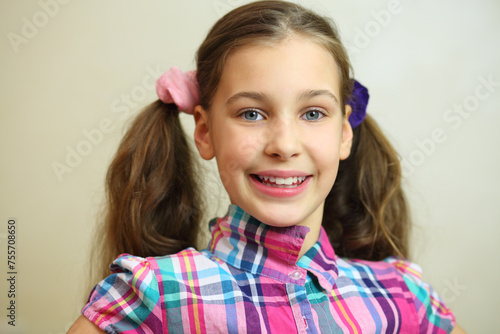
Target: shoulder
130	298
185	270
152	269
430	307
389	269
402	279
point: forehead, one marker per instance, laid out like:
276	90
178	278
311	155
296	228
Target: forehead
296	63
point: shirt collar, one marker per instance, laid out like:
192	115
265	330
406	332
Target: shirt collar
247	244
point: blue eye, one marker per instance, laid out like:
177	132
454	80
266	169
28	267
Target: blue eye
252	115
313	115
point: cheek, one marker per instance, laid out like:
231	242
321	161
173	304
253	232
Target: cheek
326	159
236	148
324	147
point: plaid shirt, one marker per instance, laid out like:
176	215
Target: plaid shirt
250	280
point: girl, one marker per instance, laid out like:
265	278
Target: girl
316	236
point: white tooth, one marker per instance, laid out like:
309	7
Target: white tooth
280	180
265	178
272	179
302	178
294	179
288	181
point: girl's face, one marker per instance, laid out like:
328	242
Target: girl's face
277	130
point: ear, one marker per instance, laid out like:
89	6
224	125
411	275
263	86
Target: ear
202	133
346	141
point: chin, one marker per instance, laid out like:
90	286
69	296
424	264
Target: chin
281	217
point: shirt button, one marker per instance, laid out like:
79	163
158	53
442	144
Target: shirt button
296	274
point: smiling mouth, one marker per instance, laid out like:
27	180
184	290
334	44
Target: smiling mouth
279	182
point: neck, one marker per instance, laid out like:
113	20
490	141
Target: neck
314	223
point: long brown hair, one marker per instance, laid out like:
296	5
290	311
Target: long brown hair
154	202
366	215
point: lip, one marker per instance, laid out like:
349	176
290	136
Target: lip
281	173
277	192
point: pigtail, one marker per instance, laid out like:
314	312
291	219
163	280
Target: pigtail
366	214
153	198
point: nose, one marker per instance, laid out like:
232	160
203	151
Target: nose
283	139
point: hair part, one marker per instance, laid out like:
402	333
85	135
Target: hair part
265	23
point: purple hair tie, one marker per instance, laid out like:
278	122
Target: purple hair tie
358	102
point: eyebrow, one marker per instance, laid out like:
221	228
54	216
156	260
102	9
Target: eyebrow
258	96
251	95
318	92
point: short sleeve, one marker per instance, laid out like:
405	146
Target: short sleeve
128	301
433	315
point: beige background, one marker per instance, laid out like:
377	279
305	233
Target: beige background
72	71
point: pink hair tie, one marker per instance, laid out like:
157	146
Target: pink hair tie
175	86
